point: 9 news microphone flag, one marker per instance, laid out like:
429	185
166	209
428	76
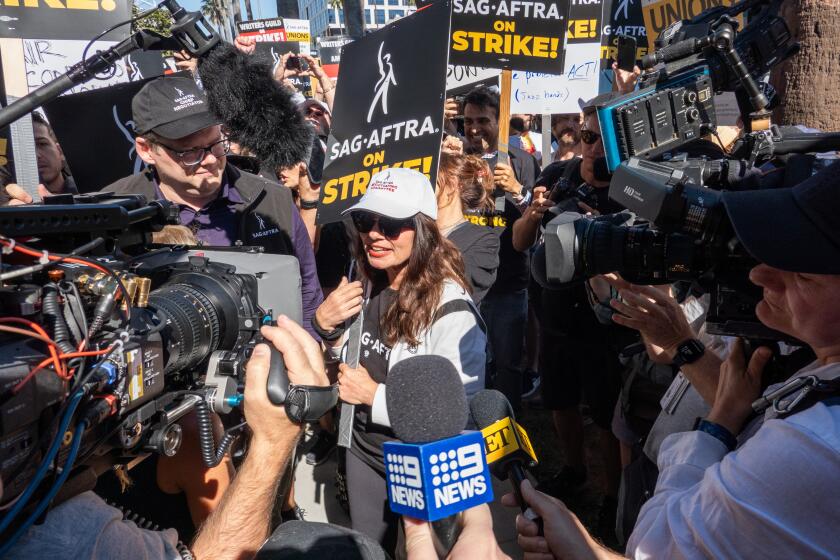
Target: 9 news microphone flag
441	471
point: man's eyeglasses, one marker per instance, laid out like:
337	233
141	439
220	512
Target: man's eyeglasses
315	112
389	227
589	137
194	156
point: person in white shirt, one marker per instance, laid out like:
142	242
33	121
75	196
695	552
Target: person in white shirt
771	492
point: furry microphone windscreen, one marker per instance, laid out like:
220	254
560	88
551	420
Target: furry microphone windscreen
425	399
257	112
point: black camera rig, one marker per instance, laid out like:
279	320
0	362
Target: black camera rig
649	136
106	341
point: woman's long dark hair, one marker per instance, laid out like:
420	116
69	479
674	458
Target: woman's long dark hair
433	260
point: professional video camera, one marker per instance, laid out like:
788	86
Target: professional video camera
687	234
111	343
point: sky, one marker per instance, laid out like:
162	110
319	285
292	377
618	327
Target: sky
262	8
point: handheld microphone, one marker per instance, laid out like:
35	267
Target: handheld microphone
438	471
506	443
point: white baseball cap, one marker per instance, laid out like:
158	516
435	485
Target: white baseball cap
398	193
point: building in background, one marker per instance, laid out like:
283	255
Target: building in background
288	9
326	17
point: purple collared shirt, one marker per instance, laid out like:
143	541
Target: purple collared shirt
216	224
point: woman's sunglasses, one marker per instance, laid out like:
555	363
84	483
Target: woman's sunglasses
389	227
589	137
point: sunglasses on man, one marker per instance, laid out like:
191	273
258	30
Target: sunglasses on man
589	137
388	227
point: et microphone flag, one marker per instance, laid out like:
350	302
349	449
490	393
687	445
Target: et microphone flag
505	440
431	481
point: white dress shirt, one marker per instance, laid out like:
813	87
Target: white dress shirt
776	496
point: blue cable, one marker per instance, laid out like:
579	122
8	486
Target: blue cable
45	464
45	501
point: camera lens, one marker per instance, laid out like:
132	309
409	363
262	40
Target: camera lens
201	314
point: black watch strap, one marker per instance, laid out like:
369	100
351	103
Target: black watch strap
329	336
689	352
308	204
307	403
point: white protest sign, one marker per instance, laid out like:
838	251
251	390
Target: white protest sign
458	76
536	93
47	59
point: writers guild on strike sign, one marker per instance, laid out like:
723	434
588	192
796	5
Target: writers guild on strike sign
434	480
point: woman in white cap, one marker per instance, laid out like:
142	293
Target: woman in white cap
416	301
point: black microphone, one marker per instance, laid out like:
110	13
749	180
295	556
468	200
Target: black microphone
257	112
447	472
508	448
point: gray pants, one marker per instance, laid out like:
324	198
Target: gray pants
369	511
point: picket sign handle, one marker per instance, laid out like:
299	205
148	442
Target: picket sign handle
504	130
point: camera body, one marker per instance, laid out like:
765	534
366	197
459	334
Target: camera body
169	329
677	228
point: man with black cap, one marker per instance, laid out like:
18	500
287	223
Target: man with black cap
184	146
757	477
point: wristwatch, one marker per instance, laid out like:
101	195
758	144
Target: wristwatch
689	352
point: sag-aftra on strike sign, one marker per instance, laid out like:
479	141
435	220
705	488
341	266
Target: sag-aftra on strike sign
519	34
62	19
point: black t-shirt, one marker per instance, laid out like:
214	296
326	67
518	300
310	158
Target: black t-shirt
367	436
333	257
514	266
479	248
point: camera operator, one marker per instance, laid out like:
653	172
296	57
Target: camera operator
736	487
85	527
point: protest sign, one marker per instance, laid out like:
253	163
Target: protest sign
329	50
546	93
659	14
390	114
103	114
538	93
47	59
270	30
63	19
5	136
145	64
511	34
461	79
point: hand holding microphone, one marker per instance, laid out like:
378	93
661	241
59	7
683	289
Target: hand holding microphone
441	471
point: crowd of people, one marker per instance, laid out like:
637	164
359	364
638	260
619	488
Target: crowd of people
692	466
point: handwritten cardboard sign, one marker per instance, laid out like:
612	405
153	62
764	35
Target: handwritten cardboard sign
539	93
47	59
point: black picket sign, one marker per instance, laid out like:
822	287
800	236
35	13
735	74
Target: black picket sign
390	113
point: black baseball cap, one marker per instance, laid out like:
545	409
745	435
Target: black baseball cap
171	107
795	229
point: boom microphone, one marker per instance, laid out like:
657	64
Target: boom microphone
257	111
508	448
438	471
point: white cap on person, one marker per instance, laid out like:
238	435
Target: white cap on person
398	193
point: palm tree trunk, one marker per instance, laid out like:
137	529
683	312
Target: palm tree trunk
249	13
353	18
808	81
